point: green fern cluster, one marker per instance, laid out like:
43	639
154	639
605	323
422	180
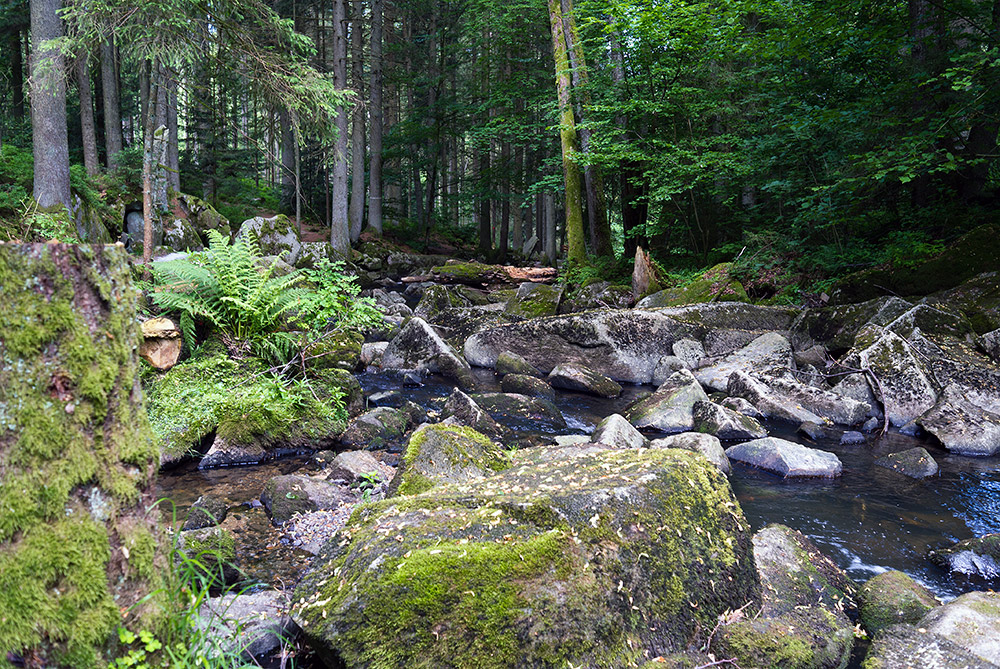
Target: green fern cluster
227	287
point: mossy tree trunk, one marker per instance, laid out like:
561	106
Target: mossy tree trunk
78	543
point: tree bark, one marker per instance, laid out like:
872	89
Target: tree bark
16	75
576	248
112	107
357	208
375	107
173	165
340	237
48	108
287	160
87	115
79	538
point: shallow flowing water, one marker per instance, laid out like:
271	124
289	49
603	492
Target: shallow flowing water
868	520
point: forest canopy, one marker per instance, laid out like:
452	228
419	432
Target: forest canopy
806	139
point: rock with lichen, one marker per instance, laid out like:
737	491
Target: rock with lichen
511	363
786	458
671	407
375	429
724	423
284	496
908	646
979	556
768	352
583	379
915	462
804	620
514	409
418	347
623	556
461	409
617	432
697	442
961	426
531	386
534	300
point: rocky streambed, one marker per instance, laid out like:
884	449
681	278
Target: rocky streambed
614	487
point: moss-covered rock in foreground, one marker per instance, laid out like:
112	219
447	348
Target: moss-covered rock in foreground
443	453
77	458
600	559
891	598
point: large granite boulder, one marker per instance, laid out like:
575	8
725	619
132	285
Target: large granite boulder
803	622
905	386
972	621
625	345
770	405
837	325
461	409
770	352
671	407
533	300
181	235
786	458
512	363
569	557
375	429
418	347
440	454
616	432
829	406
961	426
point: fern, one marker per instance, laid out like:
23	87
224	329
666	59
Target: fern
225	286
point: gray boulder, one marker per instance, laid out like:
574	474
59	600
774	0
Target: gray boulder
666	366
375	429
285	496
905	385
697	442
461	409
531	386
916	463
979	556
491	571
671	407
534	300
252	625
892	598
767	352
804	617
206	511
786	458
351	466
180	235
971	621
740	405
962	427
440	454
617	432
725	423
371	352
770	405
837	325
583	379
419	347
823	403
908	646
691	351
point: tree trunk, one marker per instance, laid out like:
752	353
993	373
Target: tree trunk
112	107
357	210
576	248
87	116
79	540
287	160
551	245
48	108
16	75
340	237
597	212
173	165
375	150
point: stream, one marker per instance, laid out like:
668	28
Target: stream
867	521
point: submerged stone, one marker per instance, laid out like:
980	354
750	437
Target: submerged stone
916	463
979	556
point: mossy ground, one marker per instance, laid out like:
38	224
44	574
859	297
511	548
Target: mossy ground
77	455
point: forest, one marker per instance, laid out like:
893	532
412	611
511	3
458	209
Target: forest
803	139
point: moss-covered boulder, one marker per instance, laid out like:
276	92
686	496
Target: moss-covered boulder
597	559
440	454
249	412
339	350
891	598
211	556
512	363
180	235
803	622
837	325
715	285
78	537
206	511
418	347
514	408
979	556
597	295
378	428
584	380
534	300
285	496
276	235
203	216
671	407
437	301
522	384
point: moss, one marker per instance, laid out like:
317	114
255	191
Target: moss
465	451
769	644
141	546
715	285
